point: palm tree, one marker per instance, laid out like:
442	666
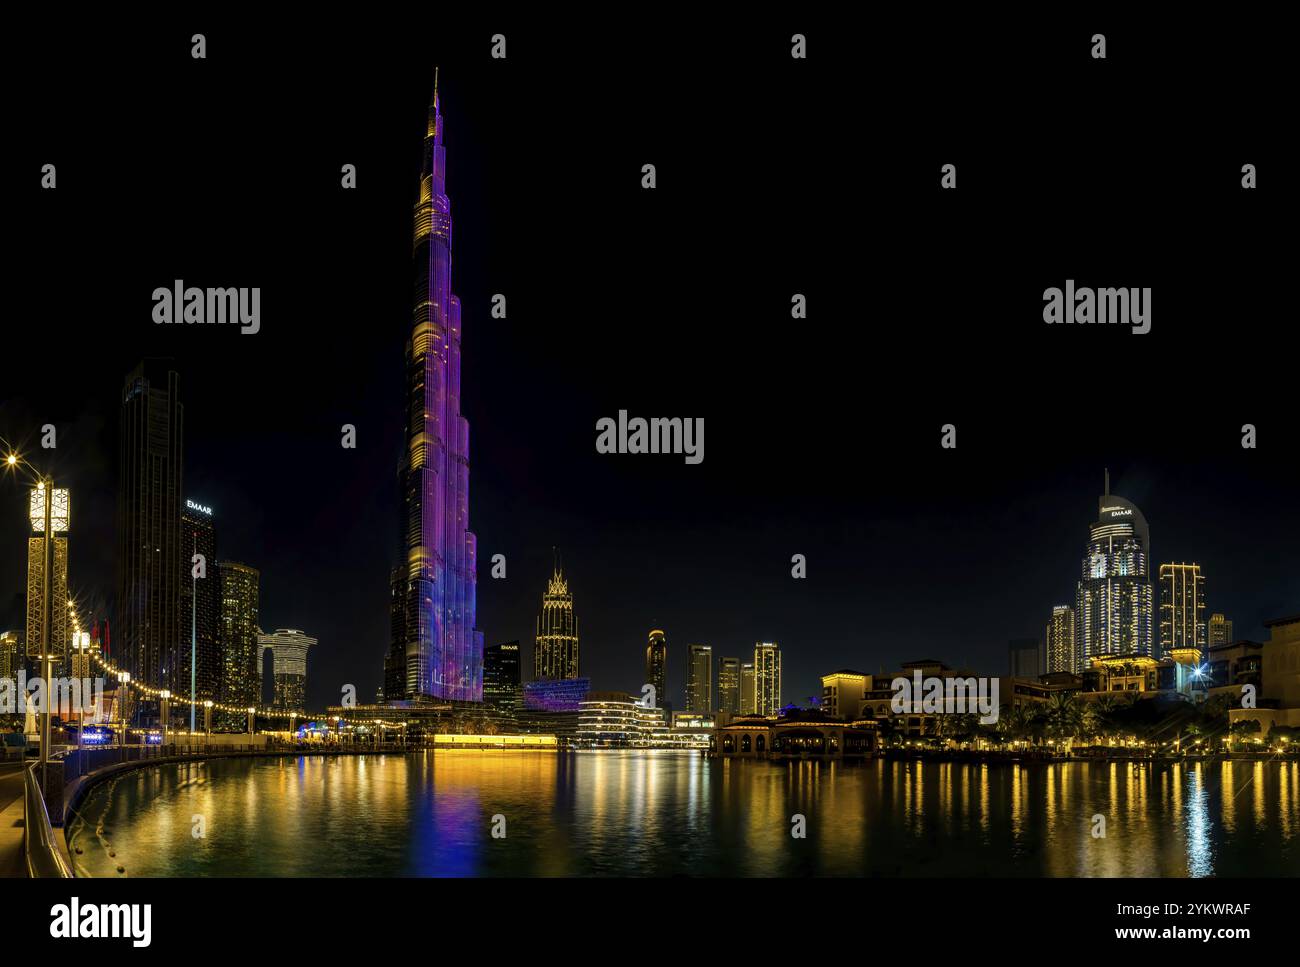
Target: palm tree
1064	716
1013	722
1239	730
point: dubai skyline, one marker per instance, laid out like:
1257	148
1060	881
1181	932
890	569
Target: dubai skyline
328	559
890	524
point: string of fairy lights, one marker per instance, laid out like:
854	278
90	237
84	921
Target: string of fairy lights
149	691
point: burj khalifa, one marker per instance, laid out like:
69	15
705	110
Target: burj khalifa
435	649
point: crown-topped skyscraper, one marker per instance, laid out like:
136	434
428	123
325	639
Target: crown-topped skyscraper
435	649
555	655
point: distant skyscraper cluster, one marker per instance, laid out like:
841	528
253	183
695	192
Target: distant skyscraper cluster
1115	614
172	624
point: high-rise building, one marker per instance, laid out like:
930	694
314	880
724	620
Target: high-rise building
1219	631
1182	608
699	678
1061	640
1024	658
501	674
1114	605
60	630
767	678
237	632
729	685
656	667
150	551
200	603
748	695
555	652
393	687
289	667
443	650
12	659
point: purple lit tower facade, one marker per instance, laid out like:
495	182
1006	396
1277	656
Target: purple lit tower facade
435	649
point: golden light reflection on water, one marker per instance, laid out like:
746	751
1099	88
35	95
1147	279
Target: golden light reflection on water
633	813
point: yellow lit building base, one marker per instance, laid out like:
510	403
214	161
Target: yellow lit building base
541	742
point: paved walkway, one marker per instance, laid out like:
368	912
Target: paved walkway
12	862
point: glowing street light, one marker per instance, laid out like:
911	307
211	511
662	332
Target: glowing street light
165	695
48	513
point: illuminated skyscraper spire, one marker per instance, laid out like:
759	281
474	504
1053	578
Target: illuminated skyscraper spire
435	647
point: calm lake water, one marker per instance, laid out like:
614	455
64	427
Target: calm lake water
661	814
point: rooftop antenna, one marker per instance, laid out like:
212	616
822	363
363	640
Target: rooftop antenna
1107	482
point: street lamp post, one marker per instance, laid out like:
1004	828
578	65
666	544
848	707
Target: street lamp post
45	484
194	618
124	686
207	721
166	712
83	674
47	618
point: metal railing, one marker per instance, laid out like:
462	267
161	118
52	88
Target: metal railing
43	856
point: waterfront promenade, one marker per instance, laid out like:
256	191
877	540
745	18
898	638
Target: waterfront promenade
11	820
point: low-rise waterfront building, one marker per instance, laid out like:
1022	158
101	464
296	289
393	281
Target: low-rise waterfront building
1234	664
843	693
799	734
1179	675
1278	694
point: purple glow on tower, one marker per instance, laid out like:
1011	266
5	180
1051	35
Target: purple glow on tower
443	648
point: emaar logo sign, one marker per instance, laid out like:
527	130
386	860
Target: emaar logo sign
199	507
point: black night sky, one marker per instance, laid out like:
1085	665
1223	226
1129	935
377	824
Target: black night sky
775	176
